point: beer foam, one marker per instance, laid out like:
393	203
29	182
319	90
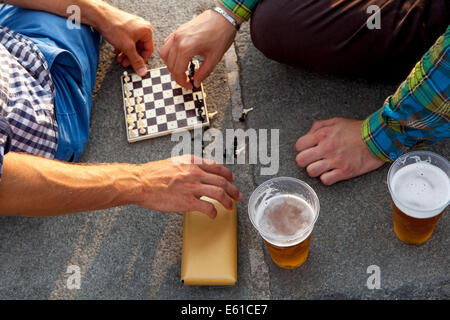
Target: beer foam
285	216
421	189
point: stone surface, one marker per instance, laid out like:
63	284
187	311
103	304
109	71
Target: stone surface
133	253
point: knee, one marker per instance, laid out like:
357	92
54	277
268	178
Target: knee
283	33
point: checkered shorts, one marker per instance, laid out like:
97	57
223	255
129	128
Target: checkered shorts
27	119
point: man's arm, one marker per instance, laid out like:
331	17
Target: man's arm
417	114
34	186
130	35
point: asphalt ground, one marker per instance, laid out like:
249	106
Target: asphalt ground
134	253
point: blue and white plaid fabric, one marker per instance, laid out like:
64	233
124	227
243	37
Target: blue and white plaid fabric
27	117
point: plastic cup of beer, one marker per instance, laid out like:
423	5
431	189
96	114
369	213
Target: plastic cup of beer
419	184
284	211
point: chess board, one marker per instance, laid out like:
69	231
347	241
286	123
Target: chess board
155	105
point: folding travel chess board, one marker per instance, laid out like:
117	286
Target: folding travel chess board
155	105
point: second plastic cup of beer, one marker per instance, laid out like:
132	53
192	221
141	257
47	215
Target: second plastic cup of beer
419	184
284	211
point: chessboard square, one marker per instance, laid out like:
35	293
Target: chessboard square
133	133
129	102
150	113
198	95
166	79
178	100
172	125
152	129
164	71
171	117
151	121
186	91
146	82
191	113
198	89
147	89
189	105
161	119
160	111
167	87
157	88
177	92
170	109
159	104
182	123
135	78
148	97
155	73
150	105
158	96
181	115
132	116
138	92
129	86
162	127
192	121
167	94
179	107
156	80
168	102
137	84
188	97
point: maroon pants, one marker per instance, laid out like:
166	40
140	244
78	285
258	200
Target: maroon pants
332	35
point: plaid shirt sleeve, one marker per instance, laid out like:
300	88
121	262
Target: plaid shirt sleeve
241	8
5	141
418	113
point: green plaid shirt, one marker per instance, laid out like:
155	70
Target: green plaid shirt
241	8
417	114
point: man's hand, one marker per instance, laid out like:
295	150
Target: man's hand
131	37
208	35
177	184
334	150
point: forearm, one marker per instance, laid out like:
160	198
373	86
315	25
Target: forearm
92	11
417	114
34	186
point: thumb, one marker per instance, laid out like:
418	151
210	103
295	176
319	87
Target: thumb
137	62
204	71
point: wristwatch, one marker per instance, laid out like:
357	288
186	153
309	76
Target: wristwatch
226	16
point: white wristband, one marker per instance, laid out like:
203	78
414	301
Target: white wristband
226	16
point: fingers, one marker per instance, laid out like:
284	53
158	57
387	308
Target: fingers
215	168
332	177
205	207
308	156
176	57
315	169
136	61
306	142
179	71
216	193
221	182
204	71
